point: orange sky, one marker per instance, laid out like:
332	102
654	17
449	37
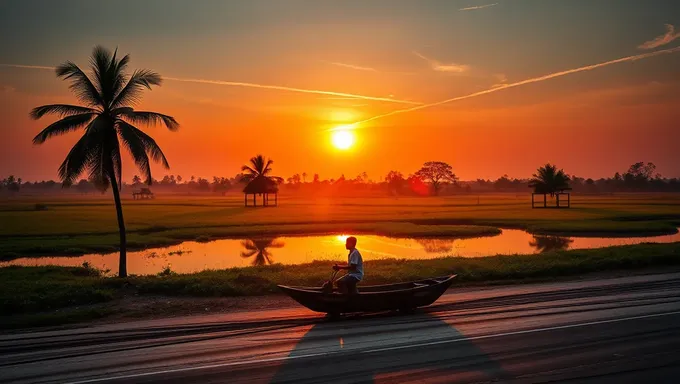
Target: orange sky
592	123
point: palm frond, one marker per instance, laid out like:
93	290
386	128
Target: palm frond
120	77
59	109
251	171
81	85
149	118
65	125
267	168
152	149
131	92
138	150
83	154
100	64
250	253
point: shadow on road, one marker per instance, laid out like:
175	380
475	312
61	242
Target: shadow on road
416	347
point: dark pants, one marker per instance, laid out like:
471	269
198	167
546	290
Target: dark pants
348	284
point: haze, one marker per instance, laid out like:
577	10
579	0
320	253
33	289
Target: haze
311	66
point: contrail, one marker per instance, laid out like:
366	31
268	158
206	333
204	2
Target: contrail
252	85
27	66
291	89
523	82
478	7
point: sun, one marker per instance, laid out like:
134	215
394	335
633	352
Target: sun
343	139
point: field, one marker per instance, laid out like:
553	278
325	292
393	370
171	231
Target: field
34	226
68	225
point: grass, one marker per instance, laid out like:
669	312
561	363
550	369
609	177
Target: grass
89	224
51	295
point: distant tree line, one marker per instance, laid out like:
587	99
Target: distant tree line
434	178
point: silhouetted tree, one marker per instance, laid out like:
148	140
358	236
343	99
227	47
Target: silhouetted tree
259	166
550	243
316	178
436	173
639	174
108	119
136	180
304	177
221	185
395	181
12	184
548	179
258	248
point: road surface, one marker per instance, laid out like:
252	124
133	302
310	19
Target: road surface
607	331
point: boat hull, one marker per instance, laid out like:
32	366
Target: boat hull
403	296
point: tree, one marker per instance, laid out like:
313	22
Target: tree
395	181
304	177
136	180
258	248
316	178
639	174
259	166
436	173
550	243
179	179
221	185
13	184
548	179
107	116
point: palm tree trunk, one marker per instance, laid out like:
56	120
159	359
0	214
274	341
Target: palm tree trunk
122	261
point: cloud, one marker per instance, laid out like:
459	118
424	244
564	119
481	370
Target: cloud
254	85
438	66
351	66
524	82
7	89
478	7
664	39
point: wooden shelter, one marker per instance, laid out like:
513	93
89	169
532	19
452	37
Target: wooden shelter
558	203
264	187
144	193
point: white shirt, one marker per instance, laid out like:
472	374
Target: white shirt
354	257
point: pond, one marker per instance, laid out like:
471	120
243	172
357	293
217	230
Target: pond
193	256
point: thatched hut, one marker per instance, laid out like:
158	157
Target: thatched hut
264	187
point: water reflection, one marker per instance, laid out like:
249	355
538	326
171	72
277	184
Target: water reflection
436	245
192	256
328	350
259	249
550	243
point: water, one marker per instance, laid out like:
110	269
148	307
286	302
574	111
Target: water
193	257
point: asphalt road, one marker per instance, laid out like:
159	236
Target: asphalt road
607	331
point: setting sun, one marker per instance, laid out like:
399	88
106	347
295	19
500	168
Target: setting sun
342	139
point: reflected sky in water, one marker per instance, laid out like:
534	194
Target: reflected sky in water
193	256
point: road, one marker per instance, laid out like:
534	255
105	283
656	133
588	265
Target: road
600	331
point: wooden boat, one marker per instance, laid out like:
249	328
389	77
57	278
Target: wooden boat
375	298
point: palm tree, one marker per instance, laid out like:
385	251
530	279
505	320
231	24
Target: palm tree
107	116
548	179
258	248
259	167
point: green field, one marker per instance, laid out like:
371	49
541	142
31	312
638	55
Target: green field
75	225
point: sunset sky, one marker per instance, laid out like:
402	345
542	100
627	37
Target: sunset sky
272	77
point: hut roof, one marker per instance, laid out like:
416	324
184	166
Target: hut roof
261	184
